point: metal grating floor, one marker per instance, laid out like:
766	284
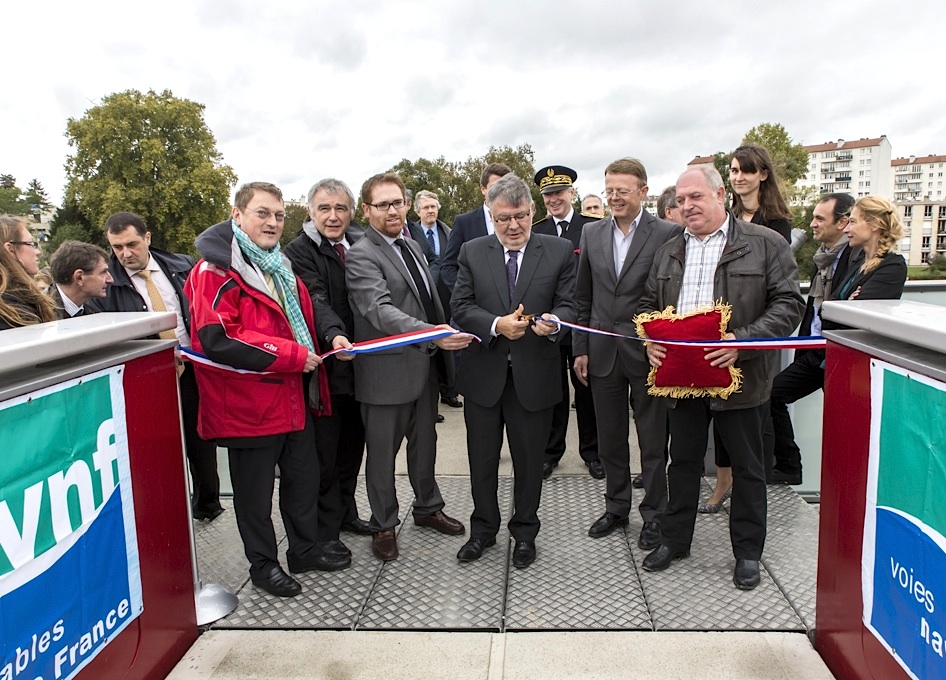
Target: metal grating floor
576	583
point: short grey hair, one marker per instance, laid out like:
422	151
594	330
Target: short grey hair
423	193
668	199
511	190
710	174
335	187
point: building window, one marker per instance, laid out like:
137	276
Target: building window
927	211
908	211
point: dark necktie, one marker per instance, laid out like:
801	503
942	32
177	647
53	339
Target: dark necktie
512	271
430	240
80	312
564	225
340	249
419	283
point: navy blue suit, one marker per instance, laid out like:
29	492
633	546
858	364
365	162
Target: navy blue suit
466	227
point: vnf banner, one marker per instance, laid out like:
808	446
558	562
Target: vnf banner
904	560
69	576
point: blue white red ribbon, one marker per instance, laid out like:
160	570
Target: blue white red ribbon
801	342
198	358
412	338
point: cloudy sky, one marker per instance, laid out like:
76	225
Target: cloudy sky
296	91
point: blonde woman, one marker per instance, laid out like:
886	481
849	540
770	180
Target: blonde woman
21	302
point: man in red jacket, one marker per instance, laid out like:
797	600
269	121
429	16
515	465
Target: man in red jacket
253	318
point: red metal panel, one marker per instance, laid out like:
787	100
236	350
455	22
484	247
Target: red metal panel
153	644
848	648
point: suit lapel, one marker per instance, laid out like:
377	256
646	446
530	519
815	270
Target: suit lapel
641	234
526	271
387	251
607	248
497	265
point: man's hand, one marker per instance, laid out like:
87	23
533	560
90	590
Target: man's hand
656	354
724	358
512	326
580	366
341	342
453	342
311	361
543	327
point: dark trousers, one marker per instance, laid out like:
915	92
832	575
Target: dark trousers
584	411
526	432
741	432
721	453
650	418
253	473
340	441
201	454
801	378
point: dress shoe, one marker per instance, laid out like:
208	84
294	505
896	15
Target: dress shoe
384	545
473	549
523	554
440	418
650	536
357	526
547	468
713	508
277	582
442	523
605	524
746	574
452	402
318	560
638	482
335	547
779	477
596	469
661	558
207	515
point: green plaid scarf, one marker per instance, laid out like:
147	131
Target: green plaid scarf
270	262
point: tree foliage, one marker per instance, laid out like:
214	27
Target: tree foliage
790	159
70	223
296	214
12	201
151	154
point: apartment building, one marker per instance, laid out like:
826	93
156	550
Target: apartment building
924	229
916	178
857	168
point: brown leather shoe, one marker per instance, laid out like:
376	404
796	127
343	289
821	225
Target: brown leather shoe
442	523
384	545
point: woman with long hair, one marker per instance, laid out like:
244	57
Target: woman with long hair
875	227
757	198
21	302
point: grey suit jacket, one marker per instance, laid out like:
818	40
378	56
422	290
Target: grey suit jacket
384	302
545	284
609	301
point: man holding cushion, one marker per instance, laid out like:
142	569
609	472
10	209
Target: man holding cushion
720	259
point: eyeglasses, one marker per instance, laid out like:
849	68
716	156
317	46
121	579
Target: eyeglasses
623	193
384	206
31	244
505	220
265	214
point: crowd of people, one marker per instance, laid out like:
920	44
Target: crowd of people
488	296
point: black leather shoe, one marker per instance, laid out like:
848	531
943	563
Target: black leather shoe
473	549
650	536
523	554
335	547
779	477
207	515
746	574
547	468
278	583
661	558
605	524
440	418
318	561
357	526
596	469
452	402
638	482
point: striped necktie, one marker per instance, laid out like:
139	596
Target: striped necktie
157	302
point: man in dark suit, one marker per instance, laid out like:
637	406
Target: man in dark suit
80	273
147	279
555	183
470	225
805	374
432	235
510	380
616	254
391	292
318	255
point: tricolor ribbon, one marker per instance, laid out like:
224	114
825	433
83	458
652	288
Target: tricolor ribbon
801	342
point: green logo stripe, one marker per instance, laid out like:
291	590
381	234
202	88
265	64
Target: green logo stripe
912	471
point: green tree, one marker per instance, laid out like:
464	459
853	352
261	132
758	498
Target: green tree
11	197
296	214
36	195
151	154
790	159
70	223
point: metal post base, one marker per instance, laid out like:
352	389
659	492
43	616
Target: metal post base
213	602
